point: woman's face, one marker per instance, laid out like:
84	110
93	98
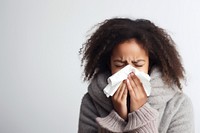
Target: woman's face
129	52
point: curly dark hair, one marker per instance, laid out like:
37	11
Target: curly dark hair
156	42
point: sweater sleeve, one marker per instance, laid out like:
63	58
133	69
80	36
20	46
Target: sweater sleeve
90	122
183	121
113	122
143	120
140	121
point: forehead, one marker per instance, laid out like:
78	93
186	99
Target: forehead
130	48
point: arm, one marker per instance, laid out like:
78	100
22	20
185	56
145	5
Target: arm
90	122
87	116
142	120
183	121
113	122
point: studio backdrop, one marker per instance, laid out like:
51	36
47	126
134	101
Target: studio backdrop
40	75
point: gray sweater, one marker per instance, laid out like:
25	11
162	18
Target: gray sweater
167	110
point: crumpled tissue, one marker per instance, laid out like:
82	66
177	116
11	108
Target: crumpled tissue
116	79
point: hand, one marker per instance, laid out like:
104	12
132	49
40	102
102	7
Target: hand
119	100
137	93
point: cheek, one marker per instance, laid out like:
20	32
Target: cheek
145	68
114	69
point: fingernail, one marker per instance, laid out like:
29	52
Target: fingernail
127	80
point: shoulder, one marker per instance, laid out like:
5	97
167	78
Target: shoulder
86	98
186	102
182	99
87	104
182	114
87	101
181	103
87	116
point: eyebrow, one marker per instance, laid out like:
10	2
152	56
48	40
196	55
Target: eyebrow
121	61
138	61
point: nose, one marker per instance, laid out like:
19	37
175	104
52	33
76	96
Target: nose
129	63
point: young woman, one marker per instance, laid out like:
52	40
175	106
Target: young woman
119	42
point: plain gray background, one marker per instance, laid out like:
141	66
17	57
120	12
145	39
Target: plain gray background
40	74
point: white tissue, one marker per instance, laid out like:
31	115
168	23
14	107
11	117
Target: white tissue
115	80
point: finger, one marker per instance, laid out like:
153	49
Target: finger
137	83
125	93
132	83
122	90
116	94
129	87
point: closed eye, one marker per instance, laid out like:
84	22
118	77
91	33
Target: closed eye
139	65
119	63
